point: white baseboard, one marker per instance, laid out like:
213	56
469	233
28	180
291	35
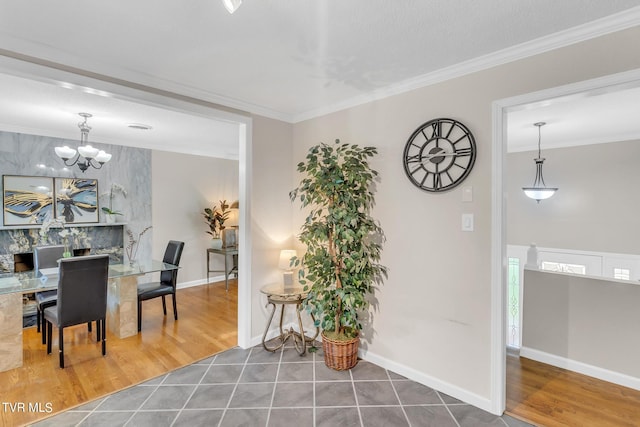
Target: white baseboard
270	335
581	368
427	380
199	282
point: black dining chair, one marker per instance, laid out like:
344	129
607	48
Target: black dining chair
166	285
45	257
82	298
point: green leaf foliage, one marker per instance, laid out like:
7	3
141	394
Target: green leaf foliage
215	218
343	241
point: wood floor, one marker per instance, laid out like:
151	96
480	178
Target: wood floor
207	325
548	396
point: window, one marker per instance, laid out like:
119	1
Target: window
621	273
564	267
513	303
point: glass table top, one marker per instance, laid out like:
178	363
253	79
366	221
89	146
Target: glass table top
284	291
46	279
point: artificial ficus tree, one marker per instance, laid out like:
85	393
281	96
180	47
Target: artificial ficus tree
343	242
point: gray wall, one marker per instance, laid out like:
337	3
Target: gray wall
595	208
183	185
583	319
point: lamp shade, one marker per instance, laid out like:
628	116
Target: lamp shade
103	157
87	151
234	215
539	193
65	152
285	259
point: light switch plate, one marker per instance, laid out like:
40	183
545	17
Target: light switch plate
467	194
467	222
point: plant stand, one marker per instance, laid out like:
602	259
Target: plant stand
286	295
340	355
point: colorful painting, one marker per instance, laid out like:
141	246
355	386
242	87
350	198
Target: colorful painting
76	200
27	199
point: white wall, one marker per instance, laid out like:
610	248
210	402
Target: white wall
182	186
595	208
271	210
433	319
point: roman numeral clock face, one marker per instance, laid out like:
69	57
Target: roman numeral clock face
439	155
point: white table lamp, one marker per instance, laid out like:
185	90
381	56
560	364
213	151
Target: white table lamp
285	264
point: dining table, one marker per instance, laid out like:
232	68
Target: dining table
122	302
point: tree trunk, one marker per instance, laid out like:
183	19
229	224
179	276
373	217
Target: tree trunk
336	264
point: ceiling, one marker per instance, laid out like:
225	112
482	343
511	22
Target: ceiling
606	115
284	59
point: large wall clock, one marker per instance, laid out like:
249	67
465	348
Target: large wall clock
439	155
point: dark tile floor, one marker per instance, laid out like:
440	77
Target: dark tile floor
256	388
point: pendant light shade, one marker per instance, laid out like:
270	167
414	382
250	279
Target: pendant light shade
539	190
65	152
87	151
539	193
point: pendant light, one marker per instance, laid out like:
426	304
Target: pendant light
539	191
91	157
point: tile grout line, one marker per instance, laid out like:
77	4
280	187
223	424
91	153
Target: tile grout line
275	385
503	421
89	413
235	387
355	395
393	387
135	411
194	390
447	407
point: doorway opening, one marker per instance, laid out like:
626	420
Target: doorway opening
500	273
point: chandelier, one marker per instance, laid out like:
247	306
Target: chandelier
539	191
86	156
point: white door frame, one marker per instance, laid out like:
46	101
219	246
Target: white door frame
499	260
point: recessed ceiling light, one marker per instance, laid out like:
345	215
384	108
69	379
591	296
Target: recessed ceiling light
139	126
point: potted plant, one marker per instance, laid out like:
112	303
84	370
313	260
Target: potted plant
343	244
215	218
110	213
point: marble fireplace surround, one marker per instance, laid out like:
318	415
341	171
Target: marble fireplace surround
99	238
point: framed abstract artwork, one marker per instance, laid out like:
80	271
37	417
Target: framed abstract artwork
27	199
76	200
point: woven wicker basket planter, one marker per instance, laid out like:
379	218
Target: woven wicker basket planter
340	355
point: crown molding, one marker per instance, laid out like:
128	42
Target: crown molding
610	24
